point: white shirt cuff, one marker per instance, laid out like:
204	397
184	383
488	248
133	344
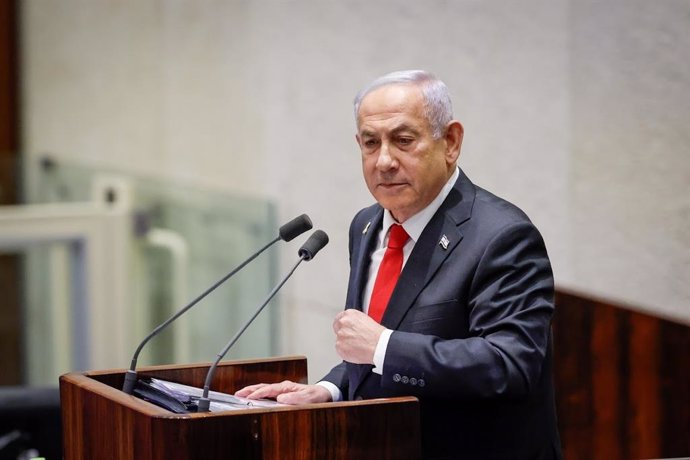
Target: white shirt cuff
380	351
336	394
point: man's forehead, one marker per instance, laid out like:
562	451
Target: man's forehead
393	107
392	98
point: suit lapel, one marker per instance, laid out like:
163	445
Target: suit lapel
439	239
362	255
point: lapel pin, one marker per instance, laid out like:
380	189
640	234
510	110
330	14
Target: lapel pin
366	228
444	242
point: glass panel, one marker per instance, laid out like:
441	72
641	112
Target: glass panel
48	325
183	240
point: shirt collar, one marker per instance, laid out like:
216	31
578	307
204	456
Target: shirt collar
416	224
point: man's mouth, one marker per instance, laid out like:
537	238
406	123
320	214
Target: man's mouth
392	185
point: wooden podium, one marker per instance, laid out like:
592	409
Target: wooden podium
101	422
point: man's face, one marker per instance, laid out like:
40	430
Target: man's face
404	167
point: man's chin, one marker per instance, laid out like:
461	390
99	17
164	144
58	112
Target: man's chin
396	209
392	196
391	203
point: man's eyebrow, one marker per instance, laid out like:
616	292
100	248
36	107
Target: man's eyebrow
365	132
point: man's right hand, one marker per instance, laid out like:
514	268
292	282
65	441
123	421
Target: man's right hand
286	392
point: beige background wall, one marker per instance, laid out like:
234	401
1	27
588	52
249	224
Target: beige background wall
577	111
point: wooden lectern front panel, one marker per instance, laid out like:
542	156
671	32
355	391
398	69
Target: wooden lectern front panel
101	422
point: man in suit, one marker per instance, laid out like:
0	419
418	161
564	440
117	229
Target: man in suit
450	295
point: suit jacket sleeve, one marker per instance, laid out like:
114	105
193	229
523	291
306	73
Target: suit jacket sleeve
338	377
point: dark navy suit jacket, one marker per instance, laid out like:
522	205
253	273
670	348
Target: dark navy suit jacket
471	313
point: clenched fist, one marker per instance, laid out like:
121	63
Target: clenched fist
356	336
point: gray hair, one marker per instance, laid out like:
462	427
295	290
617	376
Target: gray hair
438	108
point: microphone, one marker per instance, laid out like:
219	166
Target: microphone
314	244
287	232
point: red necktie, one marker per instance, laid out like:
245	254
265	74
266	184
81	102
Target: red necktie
388	273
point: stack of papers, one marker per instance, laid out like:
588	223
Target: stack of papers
180	398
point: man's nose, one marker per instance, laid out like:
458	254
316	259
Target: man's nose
386	160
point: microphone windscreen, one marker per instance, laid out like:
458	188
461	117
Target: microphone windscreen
314	244
295	227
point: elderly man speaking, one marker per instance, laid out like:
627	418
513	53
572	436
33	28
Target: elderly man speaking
450	295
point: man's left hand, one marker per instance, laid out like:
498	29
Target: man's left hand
356	336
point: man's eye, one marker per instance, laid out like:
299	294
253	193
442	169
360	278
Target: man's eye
405	140
371	143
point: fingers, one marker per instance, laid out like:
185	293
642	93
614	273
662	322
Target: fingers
308	394
244	392
265	390
279	391
286	392
338	321
356	336
348	319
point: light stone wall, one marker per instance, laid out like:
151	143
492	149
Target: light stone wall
577	111
630	159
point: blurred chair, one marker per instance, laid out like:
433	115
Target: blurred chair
30	423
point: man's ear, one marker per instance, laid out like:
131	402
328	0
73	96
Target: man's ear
454	134
358	140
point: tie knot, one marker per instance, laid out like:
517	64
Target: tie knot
398	237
